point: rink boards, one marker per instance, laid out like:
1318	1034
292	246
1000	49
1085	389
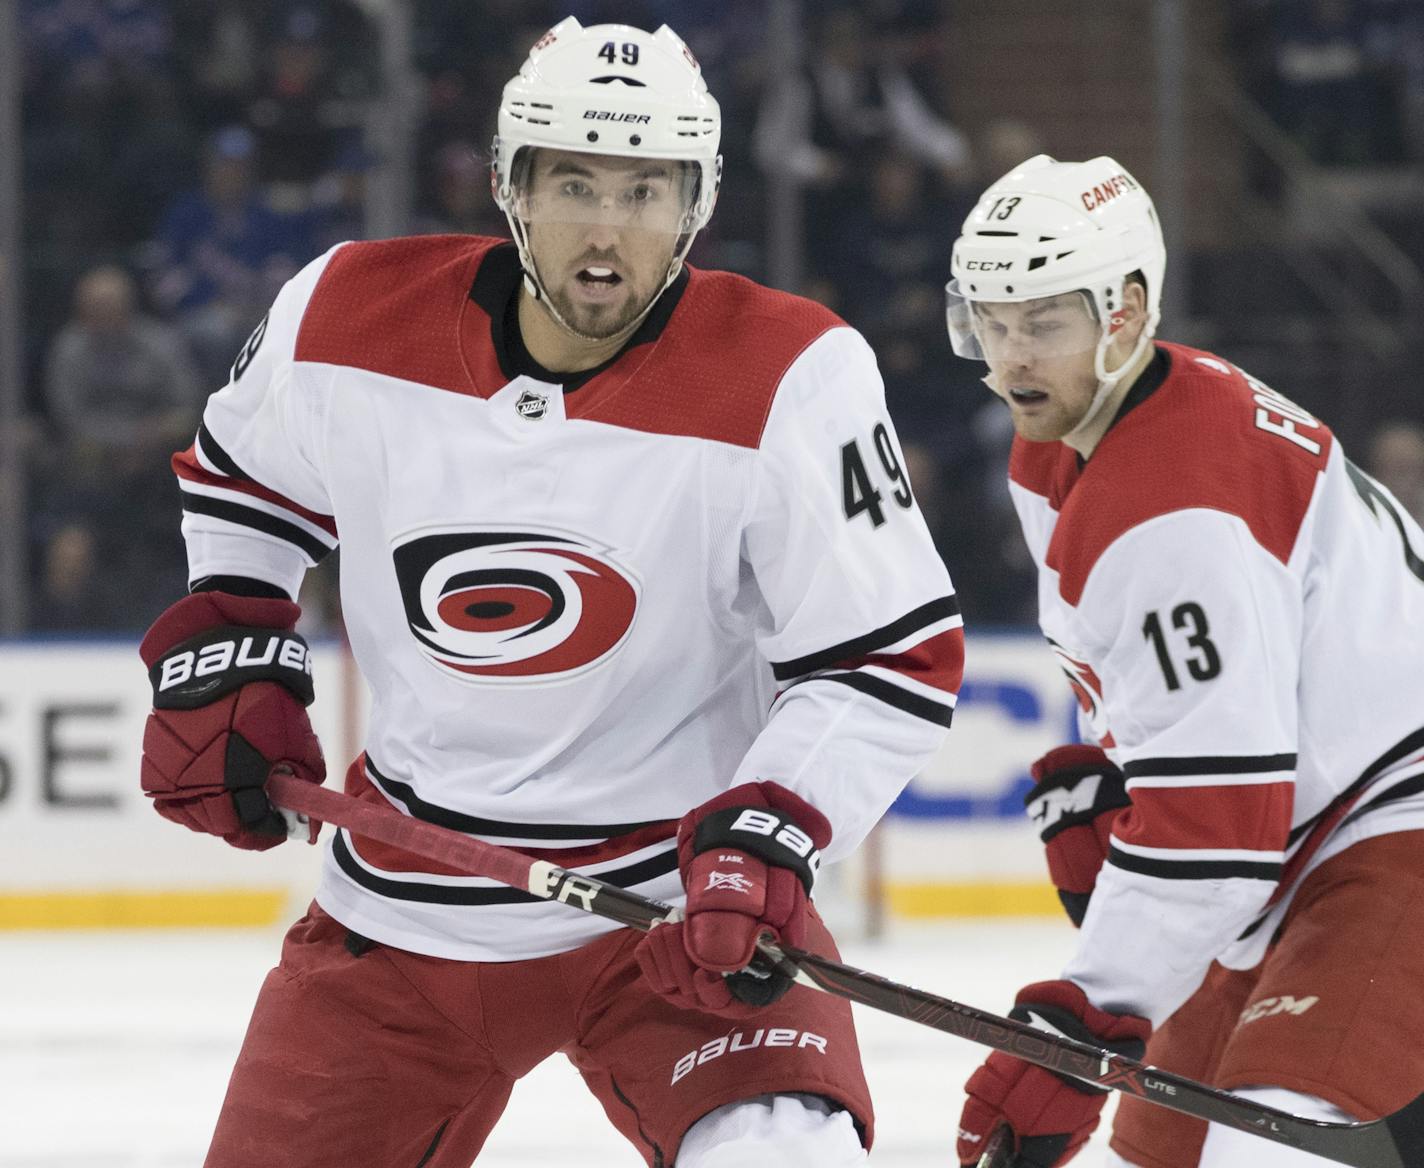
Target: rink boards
80	848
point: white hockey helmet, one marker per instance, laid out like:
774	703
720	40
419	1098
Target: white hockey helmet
615	90
1048	228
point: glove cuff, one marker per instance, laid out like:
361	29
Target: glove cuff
764	820
212	643
1073	785
201	611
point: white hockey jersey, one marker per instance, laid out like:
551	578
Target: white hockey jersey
1241	613
581	610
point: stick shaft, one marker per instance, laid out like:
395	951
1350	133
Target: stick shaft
1397	1141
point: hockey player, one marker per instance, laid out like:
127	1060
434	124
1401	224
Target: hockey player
1240	611
634	575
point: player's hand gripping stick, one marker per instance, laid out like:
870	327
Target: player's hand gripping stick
231	683
748	859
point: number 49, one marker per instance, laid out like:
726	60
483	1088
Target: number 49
629	52
858	493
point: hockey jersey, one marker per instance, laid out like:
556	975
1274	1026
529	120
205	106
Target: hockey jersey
1240	611
582	609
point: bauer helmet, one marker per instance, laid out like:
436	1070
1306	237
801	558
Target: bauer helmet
1048	228
614	90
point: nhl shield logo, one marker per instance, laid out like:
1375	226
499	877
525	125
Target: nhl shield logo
532	405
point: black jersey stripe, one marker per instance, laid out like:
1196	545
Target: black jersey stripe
219	457
1192	869
896	630
477	825
1406	789
1407	745
426	893
1210	764
232	512
940	713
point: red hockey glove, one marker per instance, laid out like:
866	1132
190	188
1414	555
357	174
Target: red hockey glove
748	860
1077	796
231	680
1051	1117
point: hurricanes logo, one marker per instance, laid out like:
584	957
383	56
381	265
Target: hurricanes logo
1089	690
527	606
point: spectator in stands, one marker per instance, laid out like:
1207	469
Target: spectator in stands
461	193
1004	143
221	254
85	40
866	96
338	198
1396	459
893	243
1330	91
117	378
71	596
316	72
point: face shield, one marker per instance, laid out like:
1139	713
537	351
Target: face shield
1012	333
648	196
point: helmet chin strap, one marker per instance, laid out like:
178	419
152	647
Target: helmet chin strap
1108	381
534	285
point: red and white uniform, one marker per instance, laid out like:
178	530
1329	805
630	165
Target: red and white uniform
1241	612
580	611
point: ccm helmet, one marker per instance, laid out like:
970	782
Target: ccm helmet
1048	228
615	90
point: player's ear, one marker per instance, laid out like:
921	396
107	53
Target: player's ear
1134	298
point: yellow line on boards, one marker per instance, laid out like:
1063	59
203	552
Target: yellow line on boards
139	909
247	907
973	899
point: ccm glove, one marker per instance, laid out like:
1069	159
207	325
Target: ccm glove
231	683
1078	794
1050	1116
748	860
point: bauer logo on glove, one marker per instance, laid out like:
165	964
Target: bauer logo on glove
218	661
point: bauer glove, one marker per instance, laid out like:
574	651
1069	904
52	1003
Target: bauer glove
231	682
748	860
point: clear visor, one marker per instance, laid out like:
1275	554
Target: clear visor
573	188
1021	331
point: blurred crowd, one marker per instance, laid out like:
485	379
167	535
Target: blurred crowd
183	159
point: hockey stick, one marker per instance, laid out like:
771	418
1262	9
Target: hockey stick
999	1151
1395	1141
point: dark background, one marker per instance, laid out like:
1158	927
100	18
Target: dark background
180	160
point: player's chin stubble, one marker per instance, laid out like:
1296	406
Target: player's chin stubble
599	321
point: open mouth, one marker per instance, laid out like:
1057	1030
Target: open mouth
1027	397
594	276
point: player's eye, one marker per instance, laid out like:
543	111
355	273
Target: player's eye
576	189
1045	328
641	194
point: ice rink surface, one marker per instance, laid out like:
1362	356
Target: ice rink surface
115	1047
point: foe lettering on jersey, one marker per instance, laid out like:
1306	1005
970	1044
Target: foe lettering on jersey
739	1041
1089	688
490	605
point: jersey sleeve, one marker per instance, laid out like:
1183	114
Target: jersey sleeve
254	500
1200	633
864	634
